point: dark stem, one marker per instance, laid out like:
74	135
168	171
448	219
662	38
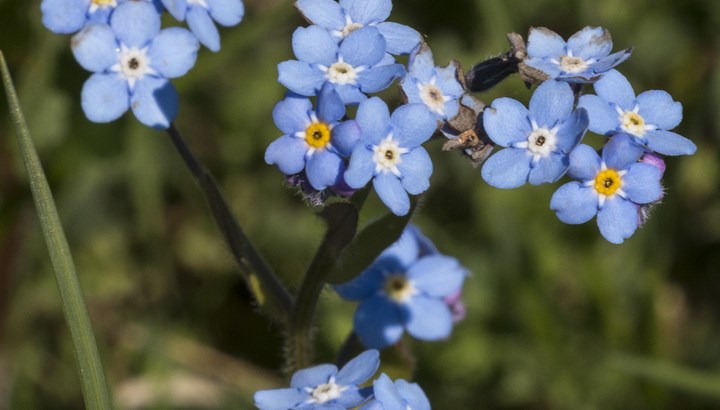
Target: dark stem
350	348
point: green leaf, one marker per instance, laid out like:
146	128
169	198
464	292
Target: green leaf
88	360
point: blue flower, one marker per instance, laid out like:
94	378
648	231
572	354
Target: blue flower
647	117
354	67
201	13
400	395
70	16
538	141
349	15
404	289
612	187
324	387
437	88
390	154
584	58
132	60
313	141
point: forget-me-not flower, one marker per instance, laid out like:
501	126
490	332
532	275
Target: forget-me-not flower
313	141
131	61
438	88
399	395
324	387
647	117
201	13
341	19
70	16
538	140
354	67
584	58
390	152
613	187
402	291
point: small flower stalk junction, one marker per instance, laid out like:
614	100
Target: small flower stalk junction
338	140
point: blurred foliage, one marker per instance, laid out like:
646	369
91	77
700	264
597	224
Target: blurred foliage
557	317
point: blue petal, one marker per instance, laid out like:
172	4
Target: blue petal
64	16
618	219
380	77
642	183
325	13
551	69
421	64
603	117
401	254
549	169
365	284
378	322
279	399
391	193
551	102
313	376
135	23
572	130
506	122
361	168
669	143
373	405
177	8
353	397
584	163
620	152
173	52
330	106
543	42
288	153
413	394
399	38
447	80
154	102
613	87
345	137
363	47
611	61
508	168
590	42
416	168
315	46
429	318
412	125
437	275
226	12
324	169
350	94
574	203
300	77
292	114
95	47
373	116
367	11
105	97
359	369
387	394
203	27
658	108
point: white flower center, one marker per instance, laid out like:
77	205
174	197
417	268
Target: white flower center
542	141
387	155
399	289
133	63
433	97
342	73
632	122
571	64
326	392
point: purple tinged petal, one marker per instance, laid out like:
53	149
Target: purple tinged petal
105	97
288	153
549	169
315	46
373	116
413	394
642	183
324	13
415	170
603	117
300	77
324	168
362	286
437	275
199	21
359	369
367	11
363	47
292	114
429	318
551	102
621	151
154	101
226	12
543	43
412	125
380	77
611	61
618	219
279	399
658	108
64	16
135	23
669	143
613	87
506	122
173	52
584	163
345	137
399	38
574	203
313	376
361	168
95	47
177	8
378	322
590	42
330	106
508	168
392	193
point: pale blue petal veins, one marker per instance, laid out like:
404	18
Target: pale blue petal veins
551	102
641	184
548	169
345	137
658	108
508	168
399	38
324	168
415	170
379	77
203	27
545	43
437	275
584	163
367	11
135	23
618	219
173	52
105	97
613	87
64	16
621	151
361	168
288	153
392	193
590	42
428	318
574	203
325	13
373	116
359	369
95	47
604	119
364	47
378	322
300	77
412	124
154	102
279	399
313	376
506	122
669	143
314	45
226	12
292	114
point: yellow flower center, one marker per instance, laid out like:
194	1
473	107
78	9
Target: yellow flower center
317	135
398	288
101	3
633	123
607	182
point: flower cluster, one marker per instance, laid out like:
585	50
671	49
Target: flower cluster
326	387
131	58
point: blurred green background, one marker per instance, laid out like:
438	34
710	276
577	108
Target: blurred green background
557	317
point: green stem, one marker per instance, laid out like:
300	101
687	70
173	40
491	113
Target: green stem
92	377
